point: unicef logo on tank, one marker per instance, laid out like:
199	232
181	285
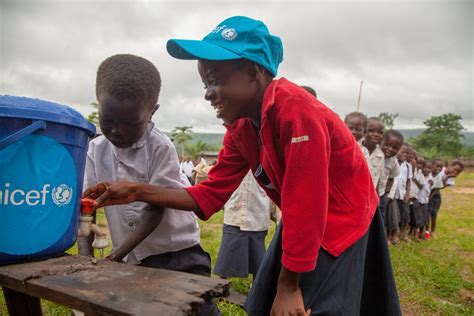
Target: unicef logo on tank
62	195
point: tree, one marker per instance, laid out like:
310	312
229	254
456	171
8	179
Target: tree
182	134
94	116
442	136
388	119
195	149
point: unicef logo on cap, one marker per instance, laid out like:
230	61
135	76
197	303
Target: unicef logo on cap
62	195
229	34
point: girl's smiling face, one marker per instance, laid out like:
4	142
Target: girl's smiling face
232	87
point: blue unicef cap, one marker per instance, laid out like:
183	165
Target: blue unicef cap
234	38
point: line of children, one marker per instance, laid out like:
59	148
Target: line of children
408	186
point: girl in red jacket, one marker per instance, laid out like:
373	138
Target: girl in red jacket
324	259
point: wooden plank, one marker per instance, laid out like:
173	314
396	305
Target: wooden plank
19	304
113	288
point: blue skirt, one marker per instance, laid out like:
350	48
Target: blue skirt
358	282
241	252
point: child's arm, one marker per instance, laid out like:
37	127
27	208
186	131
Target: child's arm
418	183
389	184
150	219
406	198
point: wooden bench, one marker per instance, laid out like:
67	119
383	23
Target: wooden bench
105	288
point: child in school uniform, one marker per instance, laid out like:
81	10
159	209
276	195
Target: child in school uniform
132	148
246	222
423	199
402	193
391	143
372	140
329	255
442	178
357	124
417	212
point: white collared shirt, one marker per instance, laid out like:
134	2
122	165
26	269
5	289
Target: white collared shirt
364	149
415	189
376	164
187	168
406	174
424	194
391	171
249	208
152	159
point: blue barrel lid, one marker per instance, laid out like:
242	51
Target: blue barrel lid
36	109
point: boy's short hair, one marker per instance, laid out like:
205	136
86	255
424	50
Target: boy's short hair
375	118
435	160
358	115
393	133
458	163
310	90
126	76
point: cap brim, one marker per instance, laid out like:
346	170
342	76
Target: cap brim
192	49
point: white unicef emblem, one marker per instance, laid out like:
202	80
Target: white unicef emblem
229	34
62	195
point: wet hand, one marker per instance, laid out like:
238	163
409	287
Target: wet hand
111	193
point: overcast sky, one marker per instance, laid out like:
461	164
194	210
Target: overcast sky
415	57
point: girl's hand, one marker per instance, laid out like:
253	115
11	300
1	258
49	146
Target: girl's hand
288	299
112	193
289	302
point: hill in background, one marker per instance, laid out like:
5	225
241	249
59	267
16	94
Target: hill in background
215	139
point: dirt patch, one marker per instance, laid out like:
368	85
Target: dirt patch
467	296
463	190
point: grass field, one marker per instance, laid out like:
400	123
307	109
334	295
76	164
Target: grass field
434	277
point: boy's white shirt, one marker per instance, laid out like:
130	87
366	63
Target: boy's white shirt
415	190
153	160
406	173
424	194
391	171
187	167
376	162
249	207
364	149
438	180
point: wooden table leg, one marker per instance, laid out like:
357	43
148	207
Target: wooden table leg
19	304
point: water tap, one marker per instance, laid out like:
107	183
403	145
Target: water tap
86	226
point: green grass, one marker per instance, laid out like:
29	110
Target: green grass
435	277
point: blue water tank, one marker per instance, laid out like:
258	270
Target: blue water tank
43	147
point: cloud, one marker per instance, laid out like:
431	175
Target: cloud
415	58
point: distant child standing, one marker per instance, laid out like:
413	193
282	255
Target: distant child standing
441	179
402	193
246	222
391	143
424	197
372	141
187	167
357	124
417	214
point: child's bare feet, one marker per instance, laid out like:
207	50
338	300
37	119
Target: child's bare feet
395	241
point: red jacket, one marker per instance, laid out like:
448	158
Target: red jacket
322	182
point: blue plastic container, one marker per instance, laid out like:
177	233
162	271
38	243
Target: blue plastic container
43	147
